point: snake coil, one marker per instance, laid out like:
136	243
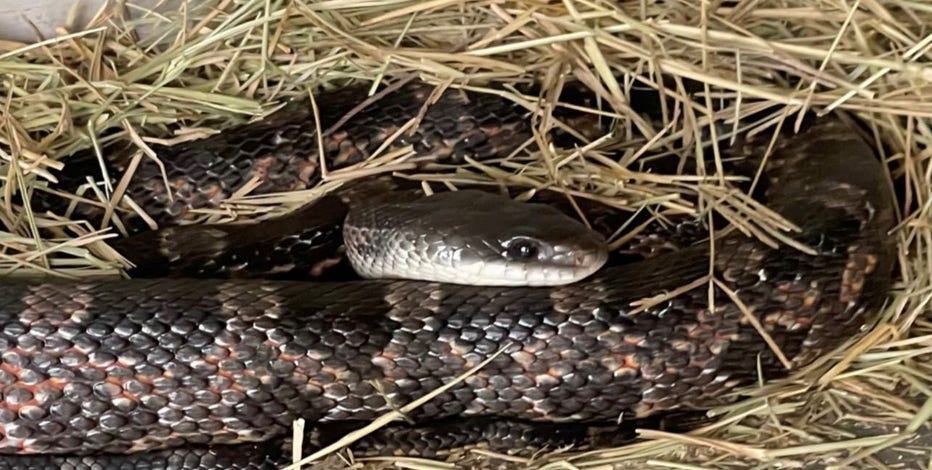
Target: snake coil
210	373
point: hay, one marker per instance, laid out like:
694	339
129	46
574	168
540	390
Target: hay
865	406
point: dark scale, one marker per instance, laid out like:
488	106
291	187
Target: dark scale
201	173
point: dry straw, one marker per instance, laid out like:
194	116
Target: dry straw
204	68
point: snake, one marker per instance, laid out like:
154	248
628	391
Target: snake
198	372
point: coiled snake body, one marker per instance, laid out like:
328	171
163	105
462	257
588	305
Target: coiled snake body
198	373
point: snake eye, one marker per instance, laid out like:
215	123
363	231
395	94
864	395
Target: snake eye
522	249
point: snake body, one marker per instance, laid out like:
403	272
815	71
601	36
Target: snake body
184	373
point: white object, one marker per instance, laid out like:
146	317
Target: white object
46	16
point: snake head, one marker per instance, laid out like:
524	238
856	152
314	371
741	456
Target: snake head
472	237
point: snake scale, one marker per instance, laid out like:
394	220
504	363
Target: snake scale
208	373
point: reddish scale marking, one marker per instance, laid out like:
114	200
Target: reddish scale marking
860	265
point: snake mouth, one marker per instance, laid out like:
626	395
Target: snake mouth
563	269
559	270
585	264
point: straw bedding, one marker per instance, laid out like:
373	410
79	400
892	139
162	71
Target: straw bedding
223	62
